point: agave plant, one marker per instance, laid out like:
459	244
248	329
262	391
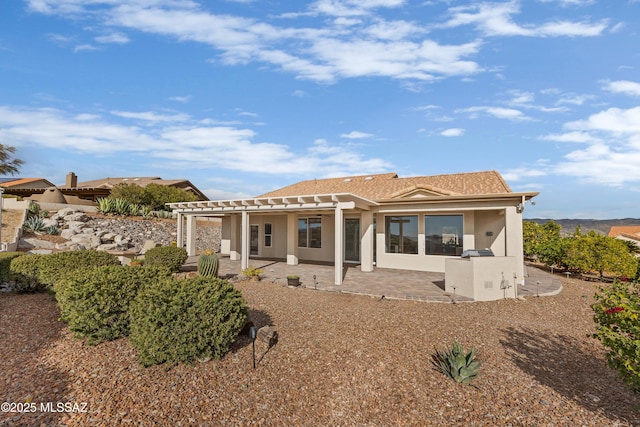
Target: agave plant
457	364
105	205
33	224
134	209
146	211
121	206
52	230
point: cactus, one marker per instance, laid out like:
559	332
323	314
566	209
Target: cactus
208	264
457	364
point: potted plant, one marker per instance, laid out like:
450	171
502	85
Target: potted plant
252	273
293	280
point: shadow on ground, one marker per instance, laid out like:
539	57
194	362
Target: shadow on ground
561	363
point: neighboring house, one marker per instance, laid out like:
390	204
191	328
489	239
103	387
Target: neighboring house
109	183
414	223
630	233
24	183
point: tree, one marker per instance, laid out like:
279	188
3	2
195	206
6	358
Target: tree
132	193
153	195
544	242
8	164
595	252
160	194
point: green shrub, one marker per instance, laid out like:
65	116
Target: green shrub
25	271
166	256
95	301
617	310
5	265
185	320
57	266
456	363
39	272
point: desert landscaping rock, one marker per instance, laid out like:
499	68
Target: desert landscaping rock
340	360
81	231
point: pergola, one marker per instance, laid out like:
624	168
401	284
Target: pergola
242	209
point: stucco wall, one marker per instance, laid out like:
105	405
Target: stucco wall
481	278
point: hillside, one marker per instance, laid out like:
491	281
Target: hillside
586	225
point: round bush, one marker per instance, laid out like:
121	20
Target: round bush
25	272
185	320
95	301
38	272
171	257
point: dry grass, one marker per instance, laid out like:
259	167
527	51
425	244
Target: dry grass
341	360
11	219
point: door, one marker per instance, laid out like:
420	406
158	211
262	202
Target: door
254	240
352	239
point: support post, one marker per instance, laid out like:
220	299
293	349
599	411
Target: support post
191	235
339	244
367	242
244	237
180	230
292	233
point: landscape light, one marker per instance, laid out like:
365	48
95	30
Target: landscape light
252	335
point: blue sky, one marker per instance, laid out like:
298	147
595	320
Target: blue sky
245	96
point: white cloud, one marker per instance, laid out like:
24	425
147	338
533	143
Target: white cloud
497	112
522	173
615	121
352	7
151	116
356	135
495	19
623	86
177	140
117	38
612	154
370	46
182	99
452	132
84	47
572	137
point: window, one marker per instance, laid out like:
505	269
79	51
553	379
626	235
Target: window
443	234
267	234
401	234
310	232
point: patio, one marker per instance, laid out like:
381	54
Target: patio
382	282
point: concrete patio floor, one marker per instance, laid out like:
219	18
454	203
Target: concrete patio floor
390	283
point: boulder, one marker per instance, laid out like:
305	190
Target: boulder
35	243
89	241
77	216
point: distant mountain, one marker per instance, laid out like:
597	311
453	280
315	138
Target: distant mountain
586	225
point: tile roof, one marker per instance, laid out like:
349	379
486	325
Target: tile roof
21	181
389	185
625	230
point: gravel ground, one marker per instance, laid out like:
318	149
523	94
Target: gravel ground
341	360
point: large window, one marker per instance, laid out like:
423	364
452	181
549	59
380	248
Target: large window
443	234
401	234
310	232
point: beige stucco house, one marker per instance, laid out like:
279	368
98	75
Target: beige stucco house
414	223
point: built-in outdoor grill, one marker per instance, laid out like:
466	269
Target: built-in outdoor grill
476	253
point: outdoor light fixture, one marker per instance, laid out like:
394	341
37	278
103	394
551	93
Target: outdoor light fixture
315	282
538	288
252	335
